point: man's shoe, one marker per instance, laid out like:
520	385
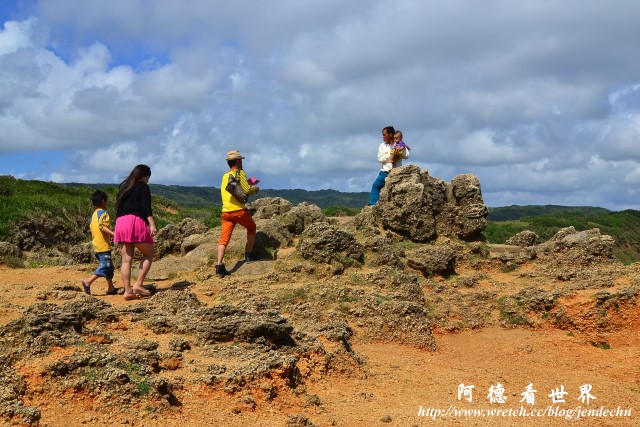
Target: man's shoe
250	256
221	271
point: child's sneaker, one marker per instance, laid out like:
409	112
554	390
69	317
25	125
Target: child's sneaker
221	271
250	256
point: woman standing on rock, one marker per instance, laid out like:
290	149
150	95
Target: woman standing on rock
135	229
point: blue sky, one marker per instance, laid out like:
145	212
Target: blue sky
538	98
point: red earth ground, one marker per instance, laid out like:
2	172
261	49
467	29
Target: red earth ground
399	385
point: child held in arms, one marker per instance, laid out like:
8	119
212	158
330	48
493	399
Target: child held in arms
398	146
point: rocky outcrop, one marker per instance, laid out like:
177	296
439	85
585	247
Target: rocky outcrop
82	253
269	207
225	323
189	243
43	230
421	207
524	239
325	243
432	260
272	234
302	216
512	253
279	221
410	202
581	247
170	238
565	253
382	252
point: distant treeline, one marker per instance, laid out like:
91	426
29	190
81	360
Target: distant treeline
513	212
205	197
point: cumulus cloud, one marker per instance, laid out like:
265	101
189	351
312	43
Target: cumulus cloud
540	99
19	35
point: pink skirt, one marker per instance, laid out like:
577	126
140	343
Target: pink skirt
132	229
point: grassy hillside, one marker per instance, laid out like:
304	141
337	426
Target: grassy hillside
187	197
65	210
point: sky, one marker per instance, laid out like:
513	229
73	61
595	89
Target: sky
540	99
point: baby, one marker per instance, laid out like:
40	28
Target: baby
398	146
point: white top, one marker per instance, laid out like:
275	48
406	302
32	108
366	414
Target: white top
385	158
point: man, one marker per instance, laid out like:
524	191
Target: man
235	211
386	160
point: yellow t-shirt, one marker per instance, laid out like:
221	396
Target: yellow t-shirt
230	203
99	220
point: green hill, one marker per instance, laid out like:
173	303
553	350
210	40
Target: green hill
188	197
513	212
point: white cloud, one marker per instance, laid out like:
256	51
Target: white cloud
633	177
307	73
538	98
20	35
103	159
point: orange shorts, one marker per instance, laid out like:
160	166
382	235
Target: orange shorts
229	221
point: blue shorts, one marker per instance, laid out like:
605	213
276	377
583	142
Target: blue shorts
105	269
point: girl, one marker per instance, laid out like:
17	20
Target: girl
135	229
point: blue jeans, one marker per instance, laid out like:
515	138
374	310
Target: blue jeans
105	269
377	186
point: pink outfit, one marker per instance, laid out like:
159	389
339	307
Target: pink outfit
132	229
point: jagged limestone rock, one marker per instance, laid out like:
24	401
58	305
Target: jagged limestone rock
422	208
324	243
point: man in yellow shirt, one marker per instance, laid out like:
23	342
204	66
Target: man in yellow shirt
235	211
101	234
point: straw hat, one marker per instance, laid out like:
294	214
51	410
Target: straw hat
234	155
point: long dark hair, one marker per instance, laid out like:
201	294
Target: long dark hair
139	172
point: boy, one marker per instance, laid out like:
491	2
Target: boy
100	232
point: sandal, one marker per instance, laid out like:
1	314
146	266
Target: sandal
113	292
141	291
130	297
87	289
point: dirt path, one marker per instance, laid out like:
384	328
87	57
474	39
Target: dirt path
398	386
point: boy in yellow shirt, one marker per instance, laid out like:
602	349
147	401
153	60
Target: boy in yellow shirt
101	234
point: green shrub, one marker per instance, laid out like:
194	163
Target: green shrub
340	211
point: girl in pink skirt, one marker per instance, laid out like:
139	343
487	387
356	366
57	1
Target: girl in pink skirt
135	229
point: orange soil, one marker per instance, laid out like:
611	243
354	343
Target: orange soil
395	384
